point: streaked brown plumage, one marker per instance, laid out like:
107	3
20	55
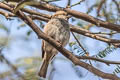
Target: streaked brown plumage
58	29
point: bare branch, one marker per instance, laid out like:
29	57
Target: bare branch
7	15
73	28
76	3
99	60
117	4
104	33
77	14
32	12
100	6
65	52
80	15
79	43
68	4
89	34
59	47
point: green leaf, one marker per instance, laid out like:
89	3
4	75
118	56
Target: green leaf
117	70
29	32
80	24
72	43
106	51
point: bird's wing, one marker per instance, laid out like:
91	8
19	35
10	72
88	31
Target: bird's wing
49	29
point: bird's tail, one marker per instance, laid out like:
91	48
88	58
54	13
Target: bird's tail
43	69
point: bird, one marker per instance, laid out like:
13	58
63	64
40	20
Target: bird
57	28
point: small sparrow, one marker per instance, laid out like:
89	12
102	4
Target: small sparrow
58	29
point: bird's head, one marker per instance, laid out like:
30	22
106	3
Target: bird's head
61	14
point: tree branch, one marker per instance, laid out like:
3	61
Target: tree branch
68	4
117	4
65	52
80	15
77	14
7	15
79	2
100	60
59	47
100	6
79	44
94	36
73	28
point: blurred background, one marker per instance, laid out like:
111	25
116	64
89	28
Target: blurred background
20	48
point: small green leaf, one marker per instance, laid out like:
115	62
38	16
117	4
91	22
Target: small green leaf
80	24
72	43
29	32
106	51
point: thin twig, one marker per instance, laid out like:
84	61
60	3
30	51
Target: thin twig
117	4
99	60
111	33
68	4
79	43
100	6
76	3
87	54
50	1
76	14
